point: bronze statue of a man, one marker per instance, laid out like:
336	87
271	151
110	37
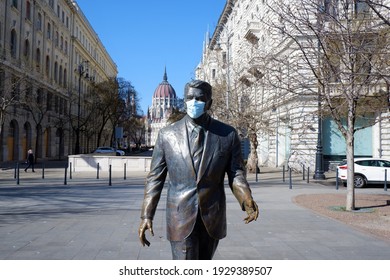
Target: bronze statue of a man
196	151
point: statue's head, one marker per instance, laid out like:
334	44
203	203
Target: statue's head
197	97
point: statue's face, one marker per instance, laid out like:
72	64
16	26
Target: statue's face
197	94
195	103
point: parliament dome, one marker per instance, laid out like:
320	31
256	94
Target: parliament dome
164	89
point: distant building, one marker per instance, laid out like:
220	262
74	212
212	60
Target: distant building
163	103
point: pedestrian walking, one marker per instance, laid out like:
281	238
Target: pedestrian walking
30	160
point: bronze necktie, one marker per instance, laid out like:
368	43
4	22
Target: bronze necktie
197	146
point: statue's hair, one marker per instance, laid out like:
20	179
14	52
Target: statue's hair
204	86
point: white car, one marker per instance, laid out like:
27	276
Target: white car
367	171
111	150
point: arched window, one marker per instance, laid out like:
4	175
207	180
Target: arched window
13	43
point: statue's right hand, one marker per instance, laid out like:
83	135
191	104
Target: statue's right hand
145	225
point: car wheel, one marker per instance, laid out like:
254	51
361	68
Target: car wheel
359	181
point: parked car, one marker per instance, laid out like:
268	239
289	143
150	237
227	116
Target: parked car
367	171
111	150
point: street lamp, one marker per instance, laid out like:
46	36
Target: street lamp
319	165
319	168
82	70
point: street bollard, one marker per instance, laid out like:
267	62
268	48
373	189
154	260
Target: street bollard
303	172
66	172
70	170
257	179
290	181
16	169
43	170
385	180
109	176
97	171
124	172
17	173
337	178
284	179
308	174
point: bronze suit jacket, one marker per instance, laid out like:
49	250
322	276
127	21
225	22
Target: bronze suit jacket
188	192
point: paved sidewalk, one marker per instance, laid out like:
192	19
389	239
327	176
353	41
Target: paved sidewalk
86	218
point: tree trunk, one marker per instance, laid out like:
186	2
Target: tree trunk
350	203
251	165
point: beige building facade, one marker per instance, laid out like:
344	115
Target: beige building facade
49	56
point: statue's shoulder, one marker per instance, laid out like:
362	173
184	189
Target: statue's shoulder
172	127
216	125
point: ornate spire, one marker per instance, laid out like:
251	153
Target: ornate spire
165	78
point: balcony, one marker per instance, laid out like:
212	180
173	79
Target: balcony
252	32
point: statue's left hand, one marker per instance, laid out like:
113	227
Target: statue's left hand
145	225
252	210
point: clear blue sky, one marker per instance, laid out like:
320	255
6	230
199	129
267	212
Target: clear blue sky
144	36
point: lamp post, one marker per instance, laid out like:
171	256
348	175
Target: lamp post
319	165
82	69
319	168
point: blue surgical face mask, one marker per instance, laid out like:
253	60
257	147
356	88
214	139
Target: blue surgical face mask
195	108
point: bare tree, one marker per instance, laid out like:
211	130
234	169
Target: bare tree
9	95
38	103
135	130
341	58
236	101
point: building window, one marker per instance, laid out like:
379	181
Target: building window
62	43
49	101
27	49
48	30
224	58
65	74
56	104
56	72
60	75
28	10
39	21
15	4
58	10
47	66
66	47
361	7
38	59
57	39
15	87
13	43
51	4
39	96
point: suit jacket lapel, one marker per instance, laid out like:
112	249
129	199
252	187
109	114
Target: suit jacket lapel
184	145
210	144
